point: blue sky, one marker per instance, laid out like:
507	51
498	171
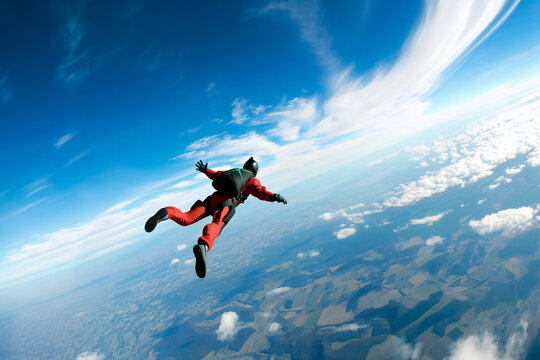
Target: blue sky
108	105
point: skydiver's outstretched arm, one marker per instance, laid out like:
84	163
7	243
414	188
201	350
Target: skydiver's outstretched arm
202	167
256	189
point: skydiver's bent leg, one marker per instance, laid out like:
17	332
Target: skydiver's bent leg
155	219
212	230
196	213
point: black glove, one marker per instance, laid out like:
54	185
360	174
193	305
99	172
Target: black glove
279	198
200	166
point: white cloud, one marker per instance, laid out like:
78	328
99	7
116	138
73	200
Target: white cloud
348	327
345	233
181	247
433	240
64	139
485	347
90	356
117	207
189	261
110	249
429	220
76	158
278	291
513	171
480	149
202	143
243	110
36	186
507	221
298	113
227	327
275	326
534	157
175	261
25	208
481	201
447	31
311	253
493	186
354	217
182	184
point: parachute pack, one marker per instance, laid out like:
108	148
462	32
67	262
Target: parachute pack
230	183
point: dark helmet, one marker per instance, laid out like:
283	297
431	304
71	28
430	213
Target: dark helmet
251	165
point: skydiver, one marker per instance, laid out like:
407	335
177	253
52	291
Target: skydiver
233	187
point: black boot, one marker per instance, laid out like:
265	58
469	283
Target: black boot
155	219
200	257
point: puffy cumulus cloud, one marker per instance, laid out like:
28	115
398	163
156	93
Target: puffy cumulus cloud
311	253
227	326
476	152
174	261
534	157
181	247
485	346
429	220
507	221
189	261
90	356
275	326
433	240
345	233
279	291
513	171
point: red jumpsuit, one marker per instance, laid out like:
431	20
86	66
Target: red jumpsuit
199	211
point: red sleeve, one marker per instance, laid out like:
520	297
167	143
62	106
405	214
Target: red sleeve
255	188
212	174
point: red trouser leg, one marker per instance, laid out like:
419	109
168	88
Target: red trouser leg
212	230
196	213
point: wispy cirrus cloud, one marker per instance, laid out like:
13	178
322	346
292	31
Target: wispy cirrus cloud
64	139
37	186
307	16
76	158
243	110
77	63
